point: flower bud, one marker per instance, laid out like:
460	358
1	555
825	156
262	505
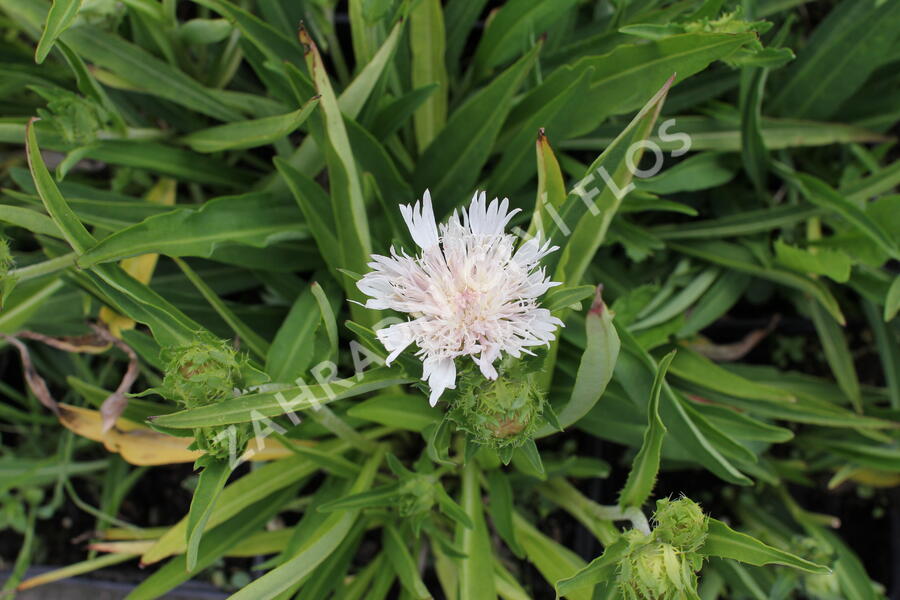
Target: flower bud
226	442
204	372
655	571
499	413
417	496
200	373
681	523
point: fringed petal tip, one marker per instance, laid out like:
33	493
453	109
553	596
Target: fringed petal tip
419	219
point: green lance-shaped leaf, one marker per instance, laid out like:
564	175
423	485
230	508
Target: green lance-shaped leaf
61	14
753	151
216	543
738	258
476	577
892	300
32	220
308	158
384	495
403	563
348	203
212	480
318	545
146	72
645	467
240	494
832	263
842	52
255	219
600	570
888	351
246	408
501	509
514	168
684	429
289	356
315	205
509	29
553	560
623	78
837	353
742	223
527	459
596	368
592	204
271	42
460	17
449	507
451	164
698	369
73	570
249	134
879	182
561	298
329	321
254	341
72	229
133	299
725	542
848	568
551	192
707	133
426	42
821	194
403	411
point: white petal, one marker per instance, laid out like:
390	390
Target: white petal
485	362
484	219
420	221
440	373
395	339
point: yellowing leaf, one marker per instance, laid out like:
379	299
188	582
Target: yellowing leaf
142	446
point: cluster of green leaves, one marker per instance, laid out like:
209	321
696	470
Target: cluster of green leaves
284	155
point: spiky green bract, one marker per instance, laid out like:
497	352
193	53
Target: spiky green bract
656	570
205	372
681	523
663	565
502	413
200	373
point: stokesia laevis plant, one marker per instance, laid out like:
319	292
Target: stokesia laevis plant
471	292
216	188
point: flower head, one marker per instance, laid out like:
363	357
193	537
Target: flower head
470	292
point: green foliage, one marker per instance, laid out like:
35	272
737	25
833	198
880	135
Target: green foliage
723	171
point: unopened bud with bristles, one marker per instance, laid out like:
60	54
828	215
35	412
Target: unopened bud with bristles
681	523
499	413
655	571
202	372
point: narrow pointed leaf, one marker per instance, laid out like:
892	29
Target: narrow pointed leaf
725	542
645	467
212	481
61	14
249	134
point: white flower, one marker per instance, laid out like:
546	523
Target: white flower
470	292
